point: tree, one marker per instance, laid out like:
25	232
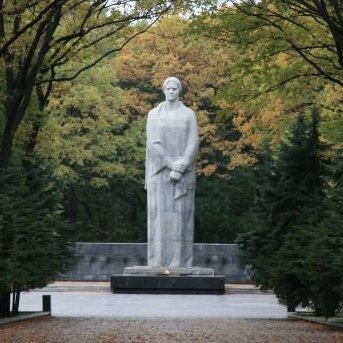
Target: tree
313	251
285	47
112	213
288	200
318	26
34	240
223	207
83	128
36	47
331	102
18	8
267	81
98	154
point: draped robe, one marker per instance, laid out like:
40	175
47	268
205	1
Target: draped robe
172	137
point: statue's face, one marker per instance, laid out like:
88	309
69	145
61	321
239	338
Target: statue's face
171	91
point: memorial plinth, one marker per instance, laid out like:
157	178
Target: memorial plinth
168	271
179	280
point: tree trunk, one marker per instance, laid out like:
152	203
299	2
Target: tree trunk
15	300
38	121
5	153
13	115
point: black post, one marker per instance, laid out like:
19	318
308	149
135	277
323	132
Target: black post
46	303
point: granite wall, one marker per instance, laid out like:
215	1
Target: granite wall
99	261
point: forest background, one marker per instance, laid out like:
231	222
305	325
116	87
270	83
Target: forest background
265	79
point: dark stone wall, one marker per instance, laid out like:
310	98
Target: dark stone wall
99	261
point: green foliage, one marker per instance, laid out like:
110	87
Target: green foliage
331	101
299	173
2	107
222	208
316	247
271	31
293	241
311	272
34	244
282	48
83	131
99	153
107	214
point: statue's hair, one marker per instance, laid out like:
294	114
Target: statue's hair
172	79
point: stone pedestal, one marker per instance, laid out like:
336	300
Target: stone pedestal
168	271
179	280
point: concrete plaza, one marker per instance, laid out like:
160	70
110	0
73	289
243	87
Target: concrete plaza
96	300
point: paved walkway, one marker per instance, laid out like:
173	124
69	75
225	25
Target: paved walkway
167	330
96	300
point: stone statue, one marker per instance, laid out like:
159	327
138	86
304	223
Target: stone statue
171	151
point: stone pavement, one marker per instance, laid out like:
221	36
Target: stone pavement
96	300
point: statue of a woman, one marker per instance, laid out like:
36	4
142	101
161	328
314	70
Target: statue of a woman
171	151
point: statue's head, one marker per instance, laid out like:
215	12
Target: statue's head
174	80
172	88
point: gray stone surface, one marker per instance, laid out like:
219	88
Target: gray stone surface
223	258
24	316
170	271
93	304
171	151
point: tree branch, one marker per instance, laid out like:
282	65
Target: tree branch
29	25
2	23
281	84
315	65
46	44
335	29
29	57
22	9
318	10
69	78
338	10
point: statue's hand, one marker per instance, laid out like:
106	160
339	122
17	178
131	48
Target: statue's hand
179	167
175	176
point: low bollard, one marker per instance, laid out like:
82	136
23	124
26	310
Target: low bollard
46	303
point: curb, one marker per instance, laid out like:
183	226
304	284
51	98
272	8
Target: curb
244	291
294	315
72	289
26	316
